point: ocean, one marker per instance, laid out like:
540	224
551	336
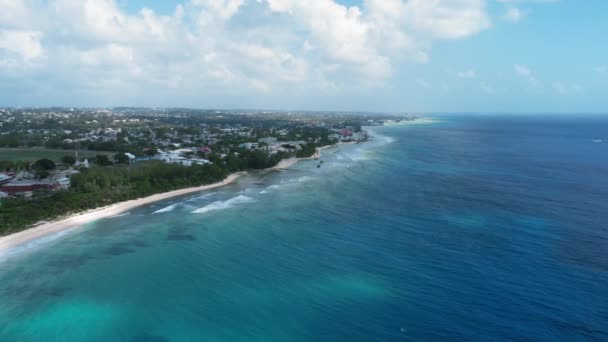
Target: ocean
474	227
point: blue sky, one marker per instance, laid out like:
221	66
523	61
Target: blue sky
368	55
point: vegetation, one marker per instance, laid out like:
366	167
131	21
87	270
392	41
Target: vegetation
102	185
43	167
33	154
307	151
40	140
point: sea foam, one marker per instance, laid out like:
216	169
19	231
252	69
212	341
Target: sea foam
166	209
6	254
219	205
202	196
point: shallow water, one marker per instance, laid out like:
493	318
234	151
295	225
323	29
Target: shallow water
467	229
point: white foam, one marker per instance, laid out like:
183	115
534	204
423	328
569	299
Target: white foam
219	205
202	196
121	215
33	244
267	190
166	209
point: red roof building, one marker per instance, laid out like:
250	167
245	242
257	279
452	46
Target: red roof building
16	187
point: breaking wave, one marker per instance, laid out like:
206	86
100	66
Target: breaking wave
219	205
166	209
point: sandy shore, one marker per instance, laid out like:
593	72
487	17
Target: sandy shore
286	163
56	226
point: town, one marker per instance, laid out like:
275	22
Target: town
97	155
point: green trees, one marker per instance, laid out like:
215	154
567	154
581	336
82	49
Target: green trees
68	159
151	151
102	160
44	164
42	167
100	186
7	165
121	158
307	150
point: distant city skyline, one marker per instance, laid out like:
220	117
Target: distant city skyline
368	55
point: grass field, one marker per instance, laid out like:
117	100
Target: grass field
33	154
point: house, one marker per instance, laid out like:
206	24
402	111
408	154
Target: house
205	149
346	132
84	163
268	140
131	157
24	186
179	157
249	146
5	178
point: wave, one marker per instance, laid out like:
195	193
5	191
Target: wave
267	190
11	251
166	209
201	197
219	205
120	215
380	139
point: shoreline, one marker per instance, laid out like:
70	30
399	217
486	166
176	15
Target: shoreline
56	226
45	229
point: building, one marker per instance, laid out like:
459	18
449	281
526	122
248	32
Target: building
4	178
23	186
131	157
180	157
84	163
268	140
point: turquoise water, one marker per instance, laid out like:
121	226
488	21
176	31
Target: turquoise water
473	228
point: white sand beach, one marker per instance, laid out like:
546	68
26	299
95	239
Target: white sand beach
48	228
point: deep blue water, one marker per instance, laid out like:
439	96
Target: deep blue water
473	228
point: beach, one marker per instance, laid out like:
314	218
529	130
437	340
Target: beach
48	228
56	226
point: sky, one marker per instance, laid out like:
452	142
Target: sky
344	55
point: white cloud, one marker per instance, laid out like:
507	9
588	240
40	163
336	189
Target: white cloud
467	74
601	69
527	1
23	43
564	89
486	88
525	73
514	14
234	45
424	83
441	19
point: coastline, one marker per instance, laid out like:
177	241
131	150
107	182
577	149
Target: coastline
62	224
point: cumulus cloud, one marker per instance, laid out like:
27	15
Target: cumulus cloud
486	88
467	74
514	14
424	83
563	88
215	44
526	73
25	44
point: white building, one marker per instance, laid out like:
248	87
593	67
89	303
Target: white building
268	140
